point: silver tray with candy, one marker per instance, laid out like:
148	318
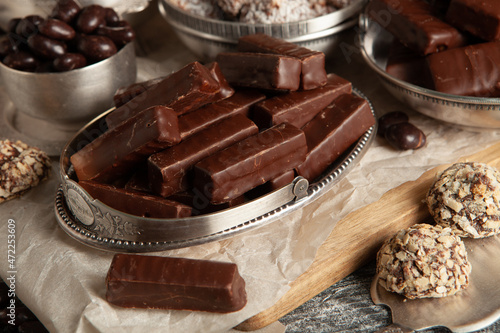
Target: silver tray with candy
220	159
469	102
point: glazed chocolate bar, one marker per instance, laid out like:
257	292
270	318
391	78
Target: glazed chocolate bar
406	65
170	170
479	17
185	90
413	23
313	73
276	183
200	204
332	131
239	103
237	169
134	202
259	70
467	71
225	89
116	152
298	107
125	94
154	282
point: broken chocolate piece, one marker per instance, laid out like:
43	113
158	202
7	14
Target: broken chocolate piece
170	170
313	73
468	71
185	90
332	131
154	282
116	152
237	169
239	103
415	25
225	89
134	202
298	107
259	70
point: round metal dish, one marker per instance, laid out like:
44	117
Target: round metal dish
92	223
207	37
479	112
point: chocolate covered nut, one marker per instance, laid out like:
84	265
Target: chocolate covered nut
28	25
225	89
66	10
170	171
56	29
153	282
119	35
118	151
90	18
390	118
46	47
96	48
21	60
135	202
243	166
415	25
69	61
259	70
6	46
12	24
111	16
404	136
313	73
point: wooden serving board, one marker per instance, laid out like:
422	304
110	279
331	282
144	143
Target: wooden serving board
356	239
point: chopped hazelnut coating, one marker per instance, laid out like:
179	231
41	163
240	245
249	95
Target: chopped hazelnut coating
21	168
466	198
423	261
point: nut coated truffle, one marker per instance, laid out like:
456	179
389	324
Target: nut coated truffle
423	261
466	198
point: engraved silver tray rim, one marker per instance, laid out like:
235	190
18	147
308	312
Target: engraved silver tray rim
230	30
97	225
471	112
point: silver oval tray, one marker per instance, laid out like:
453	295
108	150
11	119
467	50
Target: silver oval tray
479	112
229	30
95	224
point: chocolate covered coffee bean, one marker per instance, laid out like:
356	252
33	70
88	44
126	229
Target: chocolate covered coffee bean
69	61
21	60
90	18
46	47
404	136
66	10
119	35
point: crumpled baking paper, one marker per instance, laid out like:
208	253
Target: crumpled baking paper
63	281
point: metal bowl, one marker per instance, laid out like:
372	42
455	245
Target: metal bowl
95	224
472	112
207	37
73	96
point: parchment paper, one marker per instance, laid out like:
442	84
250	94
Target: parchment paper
63	282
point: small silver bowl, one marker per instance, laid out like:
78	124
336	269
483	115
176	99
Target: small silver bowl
471	112
207	37
73	96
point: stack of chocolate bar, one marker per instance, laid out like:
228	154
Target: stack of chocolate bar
448	46
208	137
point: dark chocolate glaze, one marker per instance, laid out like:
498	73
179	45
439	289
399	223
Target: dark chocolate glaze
170	170
313	73
260	70
415	25
299	107
241	167
154	282
332	131
135	202
185	90
479	17
118	151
